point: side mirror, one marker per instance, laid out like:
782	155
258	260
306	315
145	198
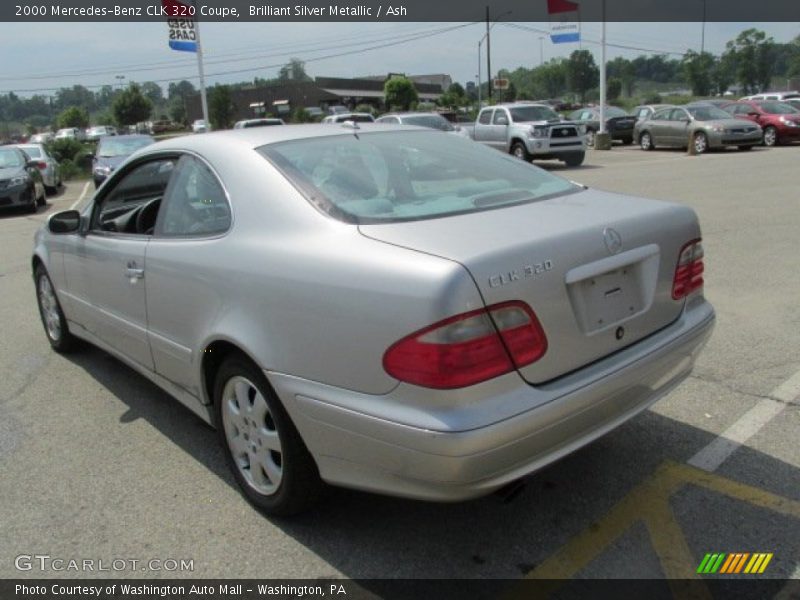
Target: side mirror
32	164
68	221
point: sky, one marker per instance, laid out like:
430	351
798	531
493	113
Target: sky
41	57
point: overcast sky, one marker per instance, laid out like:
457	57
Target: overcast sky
45	56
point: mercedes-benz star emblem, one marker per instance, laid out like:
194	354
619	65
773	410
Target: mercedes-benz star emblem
613	240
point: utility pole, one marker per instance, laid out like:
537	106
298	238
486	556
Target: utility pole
488	54
703	30
541	50
479	75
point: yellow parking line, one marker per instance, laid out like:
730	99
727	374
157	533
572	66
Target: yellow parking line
648	503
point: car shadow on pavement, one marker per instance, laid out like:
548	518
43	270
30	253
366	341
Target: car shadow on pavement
367	536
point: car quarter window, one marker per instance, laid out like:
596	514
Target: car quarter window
661	115
195	203
140	189
642	114
485	117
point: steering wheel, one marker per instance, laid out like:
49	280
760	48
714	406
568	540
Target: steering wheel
146	219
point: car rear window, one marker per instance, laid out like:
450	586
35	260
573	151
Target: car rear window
404	176
523	114
32	151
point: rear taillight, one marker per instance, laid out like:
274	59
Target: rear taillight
468	348
689	272
41	165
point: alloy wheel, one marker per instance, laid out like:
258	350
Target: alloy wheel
49	306
252	436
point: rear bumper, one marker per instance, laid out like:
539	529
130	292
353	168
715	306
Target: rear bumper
450	446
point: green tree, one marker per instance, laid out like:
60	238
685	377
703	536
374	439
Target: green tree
177	110
698	70
152	91
294	70
622	69
752	52
454	96
399	93
131	106
613	89
220	107
551	78
183	89
74	116
301	115
582	73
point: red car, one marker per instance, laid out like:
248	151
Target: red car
779	120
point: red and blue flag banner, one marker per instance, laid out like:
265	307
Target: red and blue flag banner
566	26
182	30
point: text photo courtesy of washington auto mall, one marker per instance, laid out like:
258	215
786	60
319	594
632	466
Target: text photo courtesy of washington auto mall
469	299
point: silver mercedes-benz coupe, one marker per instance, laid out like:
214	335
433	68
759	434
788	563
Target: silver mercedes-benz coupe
386	308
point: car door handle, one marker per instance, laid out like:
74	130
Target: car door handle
133	272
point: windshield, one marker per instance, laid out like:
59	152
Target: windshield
613	112
115	146
431	121
521	114
32	151
778	108
10	158
708	113
408	175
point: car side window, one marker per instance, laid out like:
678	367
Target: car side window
500	118
485	117
195	202
678	114
642	114
138	192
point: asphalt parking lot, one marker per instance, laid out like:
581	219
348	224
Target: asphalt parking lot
100	464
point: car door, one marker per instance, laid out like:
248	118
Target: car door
657	125
184	259
498	130
483	125
105	269
677	129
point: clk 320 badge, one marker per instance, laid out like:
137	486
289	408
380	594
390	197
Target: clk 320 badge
523	273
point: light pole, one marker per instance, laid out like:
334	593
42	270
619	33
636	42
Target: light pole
541	50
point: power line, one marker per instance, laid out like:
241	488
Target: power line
228	57
277	65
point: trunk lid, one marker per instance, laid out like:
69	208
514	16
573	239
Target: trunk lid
596	267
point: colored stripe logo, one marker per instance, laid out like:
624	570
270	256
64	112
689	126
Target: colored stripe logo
735	563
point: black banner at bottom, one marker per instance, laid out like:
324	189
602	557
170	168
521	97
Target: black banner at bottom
391	589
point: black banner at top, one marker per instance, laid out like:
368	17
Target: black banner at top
406	10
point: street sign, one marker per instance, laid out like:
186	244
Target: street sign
182	27
500	84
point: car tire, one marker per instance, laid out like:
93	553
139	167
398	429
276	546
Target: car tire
519	150
253	426
53	319
42	200
33	205
646	141
50	190
591	136
770	136
700	141
627	141
575	159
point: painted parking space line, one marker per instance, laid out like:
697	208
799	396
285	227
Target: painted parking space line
81	197
648	503
720	449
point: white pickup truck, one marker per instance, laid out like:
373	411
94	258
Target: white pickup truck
530	131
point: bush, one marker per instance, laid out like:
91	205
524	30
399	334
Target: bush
65	149
69	170
366	108
652	99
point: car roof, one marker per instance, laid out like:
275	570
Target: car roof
130	136
412	114
255	137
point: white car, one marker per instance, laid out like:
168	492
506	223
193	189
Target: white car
47	165
350	116
71	133
247	123
780	96
199	126
95	133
